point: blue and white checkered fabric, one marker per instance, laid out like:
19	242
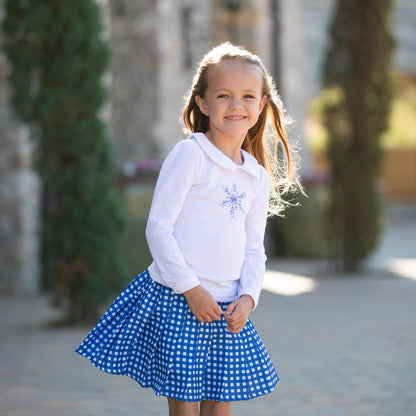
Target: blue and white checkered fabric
150	335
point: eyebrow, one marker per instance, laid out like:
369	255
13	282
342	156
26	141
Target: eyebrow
226	89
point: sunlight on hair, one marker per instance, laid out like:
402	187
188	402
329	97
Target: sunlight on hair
403	267
287	284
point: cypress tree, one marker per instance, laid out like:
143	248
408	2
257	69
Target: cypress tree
357	75
58	57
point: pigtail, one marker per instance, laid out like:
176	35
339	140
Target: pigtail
281	167
268	143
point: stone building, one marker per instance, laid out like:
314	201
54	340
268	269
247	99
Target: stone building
156	47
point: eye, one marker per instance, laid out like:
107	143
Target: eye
222	96
250	97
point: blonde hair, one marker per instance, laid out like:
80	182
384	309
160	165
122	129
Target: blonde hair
261	141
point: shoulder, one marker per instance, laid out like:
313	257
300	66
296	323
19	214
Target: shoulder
184	160
187	146
186	149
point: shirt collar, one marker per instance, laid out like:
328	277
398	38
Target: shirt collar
250	164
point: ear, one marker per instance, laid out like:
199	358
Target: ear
202	105
263	102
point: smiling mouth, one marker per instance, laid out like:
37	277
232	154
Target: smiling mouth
235	117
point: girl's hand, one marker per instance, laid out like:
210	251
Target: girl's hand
203	305
237	313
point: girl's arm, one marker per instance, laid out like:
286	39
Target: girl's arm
178	173
252	272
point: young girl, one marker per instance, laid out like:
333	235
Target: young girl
182	326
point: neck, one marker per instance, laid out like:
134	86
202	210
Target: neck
231	147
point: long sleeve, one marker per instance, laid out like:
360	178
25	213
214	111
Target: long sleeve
252	272
176	177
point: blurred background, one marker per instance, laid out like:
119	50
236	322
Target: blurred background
91	95
153	51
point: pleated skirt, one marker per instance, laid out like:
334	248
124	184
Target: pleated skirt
150	334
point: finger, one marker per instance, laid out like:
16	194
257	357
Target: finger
240	323
230	308
233	330
202	317
207	318
213	316
218	311
239	319
235	321
229	320
234	318
216	317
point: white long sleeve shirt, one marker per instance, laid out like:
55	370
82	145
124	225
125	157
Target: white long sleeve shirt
207	220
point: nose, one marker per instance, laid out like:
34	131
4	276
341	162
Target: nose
235	103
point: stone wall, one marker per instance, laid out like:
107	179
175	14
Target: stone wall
134	70
156	47
247	24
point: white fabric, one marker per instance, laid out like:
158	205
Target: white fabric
207	221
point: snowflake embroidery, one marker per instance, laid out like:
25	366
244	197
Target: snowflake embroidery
233	200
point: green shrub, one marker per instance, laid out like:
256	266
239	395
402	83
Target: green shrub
58	57
357	75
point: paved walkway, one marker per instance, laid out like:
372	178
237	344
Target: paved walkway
342	345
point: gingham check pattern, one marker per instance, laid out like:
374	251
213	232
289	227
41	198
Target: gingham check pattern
150	335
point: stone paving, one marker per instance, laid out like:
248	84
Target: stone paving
342	345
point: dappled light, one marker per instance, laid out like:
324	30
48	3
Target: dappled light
287	284
403	267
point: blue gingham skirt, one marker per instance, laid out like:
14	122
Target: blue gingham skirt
150	334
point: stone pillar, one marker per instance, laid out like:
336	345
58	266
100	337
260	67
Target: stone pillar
19	199
293	67
134	72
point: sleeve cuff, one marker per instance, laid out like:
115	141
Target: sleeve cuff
186	285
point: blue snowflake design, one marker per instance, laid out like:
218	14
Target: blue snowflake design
233	200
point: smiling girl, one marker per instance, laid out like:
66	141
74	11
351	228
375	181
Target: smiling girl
182	326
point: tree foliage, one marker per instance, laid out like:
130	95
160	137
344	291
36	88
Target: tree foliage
58	57
357	74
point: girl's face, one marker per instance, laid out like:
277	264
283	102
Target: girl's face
233	100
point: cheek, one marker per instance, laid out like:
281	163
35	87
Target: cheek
256	108
218	108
